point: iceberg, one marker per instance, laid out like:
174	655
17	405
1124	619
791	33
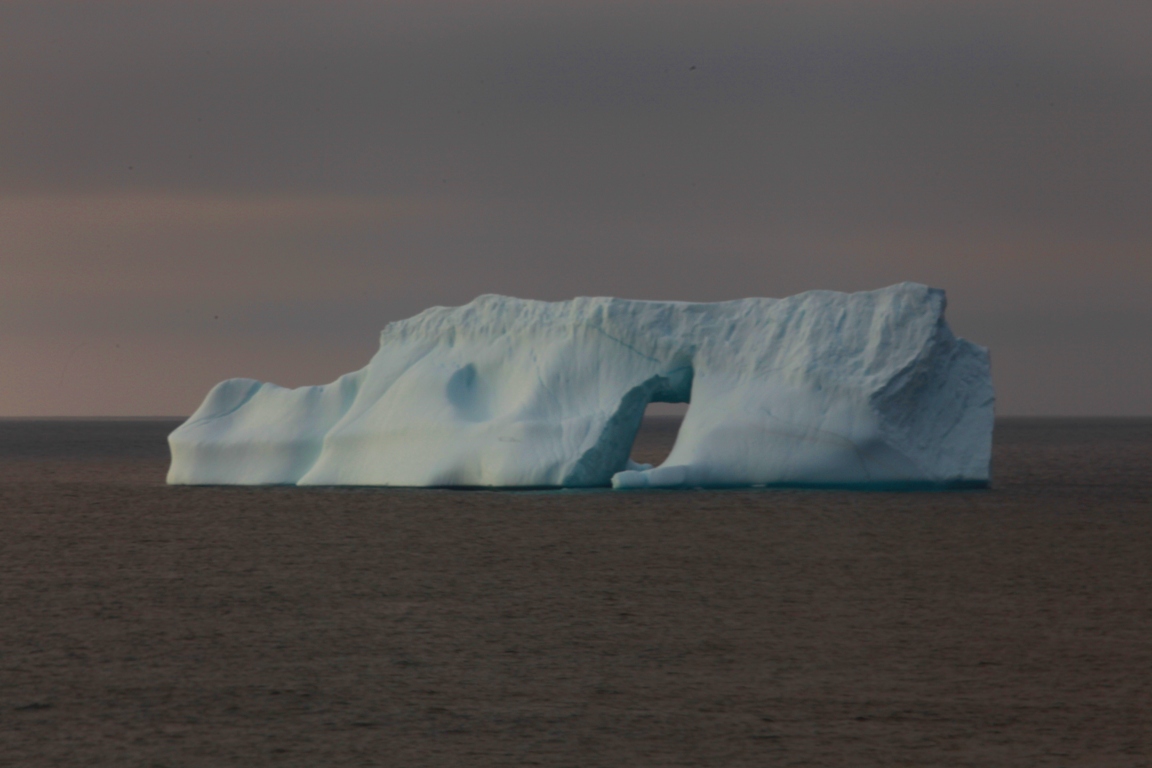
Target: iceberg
861	390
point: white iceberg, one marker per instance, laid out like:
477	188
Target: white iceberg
867	389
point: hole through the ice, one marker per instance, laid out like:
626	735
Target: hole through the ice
657	433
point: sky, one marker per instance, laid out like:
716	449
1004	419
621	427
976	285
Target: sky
191	191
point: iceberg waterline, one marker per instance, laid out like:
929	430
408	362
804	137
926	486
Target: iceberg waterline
867	389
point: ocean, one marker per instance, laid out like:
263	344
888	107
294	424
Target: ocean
147	625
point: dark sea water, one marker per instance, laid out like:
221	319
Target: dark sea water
147	625
80	439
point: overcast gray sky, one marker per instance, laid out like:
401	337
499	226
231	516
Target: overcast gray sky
196	190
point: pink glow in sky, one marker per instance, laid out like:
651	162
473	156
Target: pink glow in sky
193	191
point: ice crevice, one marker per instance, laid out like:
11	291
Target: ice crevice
825	389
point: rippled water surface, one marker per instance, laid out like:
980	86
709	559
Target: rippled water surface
142	624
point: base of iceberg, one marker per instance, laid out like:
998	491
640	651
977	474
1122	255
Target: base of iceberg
863	390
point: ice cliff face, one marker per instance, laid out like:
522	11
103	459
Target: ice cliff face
822	388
